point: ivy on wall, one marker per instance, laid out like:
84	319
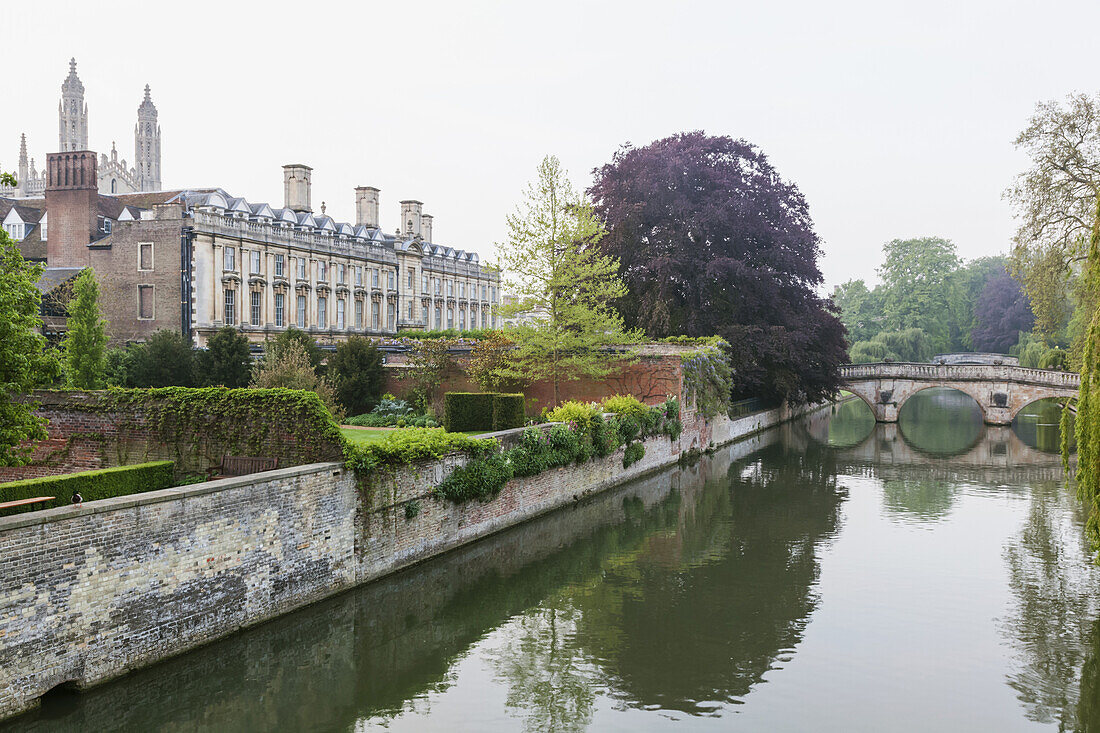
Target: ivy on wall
203	424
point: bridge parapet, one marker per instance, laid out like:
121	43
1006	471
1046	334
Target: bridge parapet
1001	390
966	372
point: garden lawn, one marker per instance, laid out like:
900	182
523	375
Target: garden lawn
362	436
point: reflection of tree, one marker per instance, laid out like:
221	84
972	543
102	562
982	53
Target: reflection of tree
851	424
549	685
687	635
1055	601
918	498
1039	425
941	421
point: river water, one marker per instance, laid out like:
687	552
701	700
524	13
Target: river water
828	575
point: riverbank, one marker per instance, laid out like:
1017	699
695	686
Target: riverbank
99	590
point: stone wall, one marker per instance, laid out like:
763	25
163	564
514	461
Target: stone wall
94	591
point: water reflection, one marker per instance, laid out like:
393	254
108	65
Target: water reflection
1039	425
765	587
940	421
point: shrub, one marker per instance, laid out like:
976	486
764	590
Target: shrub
605	438
356	373
166	360
92	485
508	411
583	414
290	368
633	453
412	509
414	444
628	429
376	420
481	478
227	361
625	406
467	411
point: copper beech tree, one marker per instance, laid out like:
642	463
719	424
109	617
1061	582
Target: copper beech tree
713	242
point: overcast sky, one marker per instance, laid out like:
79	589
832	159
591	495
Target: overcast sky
895	119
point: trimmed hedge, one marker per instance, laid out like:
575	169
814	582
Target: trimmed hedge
508	411
464	411
100	484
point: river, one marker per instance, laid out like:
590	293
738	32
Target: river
828	575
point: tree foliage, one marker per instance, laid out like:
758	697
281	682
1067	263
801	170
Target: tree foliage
1053	201
85	343
227	361
273	348
488	360
910	344
925	290
712	241
356	372
293	369
916	280
167	359
1001	314
24	362
1087	423
552	262
428	362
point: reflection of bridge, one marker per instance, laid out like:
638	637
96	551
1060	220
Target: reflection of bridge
997	456
1001	390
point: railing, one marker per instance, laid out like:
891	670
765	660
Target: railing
749	406
961	372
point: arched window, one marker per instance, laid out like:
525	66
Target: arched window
114	186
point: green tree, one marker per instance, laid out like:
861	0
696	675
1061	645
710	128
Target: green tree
916	280
428	363
564	285
357	374
24	362
85	344
488	360
227	360
860	309
292	369
965	287
1087	422
167	359
274	348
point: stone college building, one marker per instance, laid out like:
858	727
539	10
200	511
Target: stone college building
197	259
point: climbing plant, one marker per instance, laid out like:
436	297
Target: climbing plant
708	377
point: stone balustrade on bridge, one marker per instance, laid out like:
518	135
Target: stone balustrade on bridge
1001	390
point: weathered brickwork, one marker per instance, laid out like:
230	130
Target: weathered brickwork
83	436
91	592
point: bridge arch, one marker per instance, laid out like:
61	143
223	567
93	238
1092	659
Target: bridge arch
1001	390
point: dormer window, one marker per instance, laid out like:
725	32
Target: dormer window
15	231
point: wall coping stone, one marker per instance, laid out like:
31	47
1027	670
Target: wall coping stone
58	514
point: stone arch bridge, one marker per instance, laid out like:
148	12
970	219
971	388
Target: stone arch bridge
1001	390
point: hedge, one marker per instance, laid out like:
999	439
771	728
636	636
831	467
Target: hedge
100	484
508	411
463	411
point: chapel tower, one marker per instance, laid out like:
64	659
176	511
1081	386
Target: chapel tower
147	145
72	113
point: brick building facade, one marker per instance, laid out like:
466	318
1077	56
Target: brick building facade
195	260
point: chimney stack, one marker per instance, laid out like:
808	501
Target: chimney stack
72	192
366	206
426	227
410	217
296	187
